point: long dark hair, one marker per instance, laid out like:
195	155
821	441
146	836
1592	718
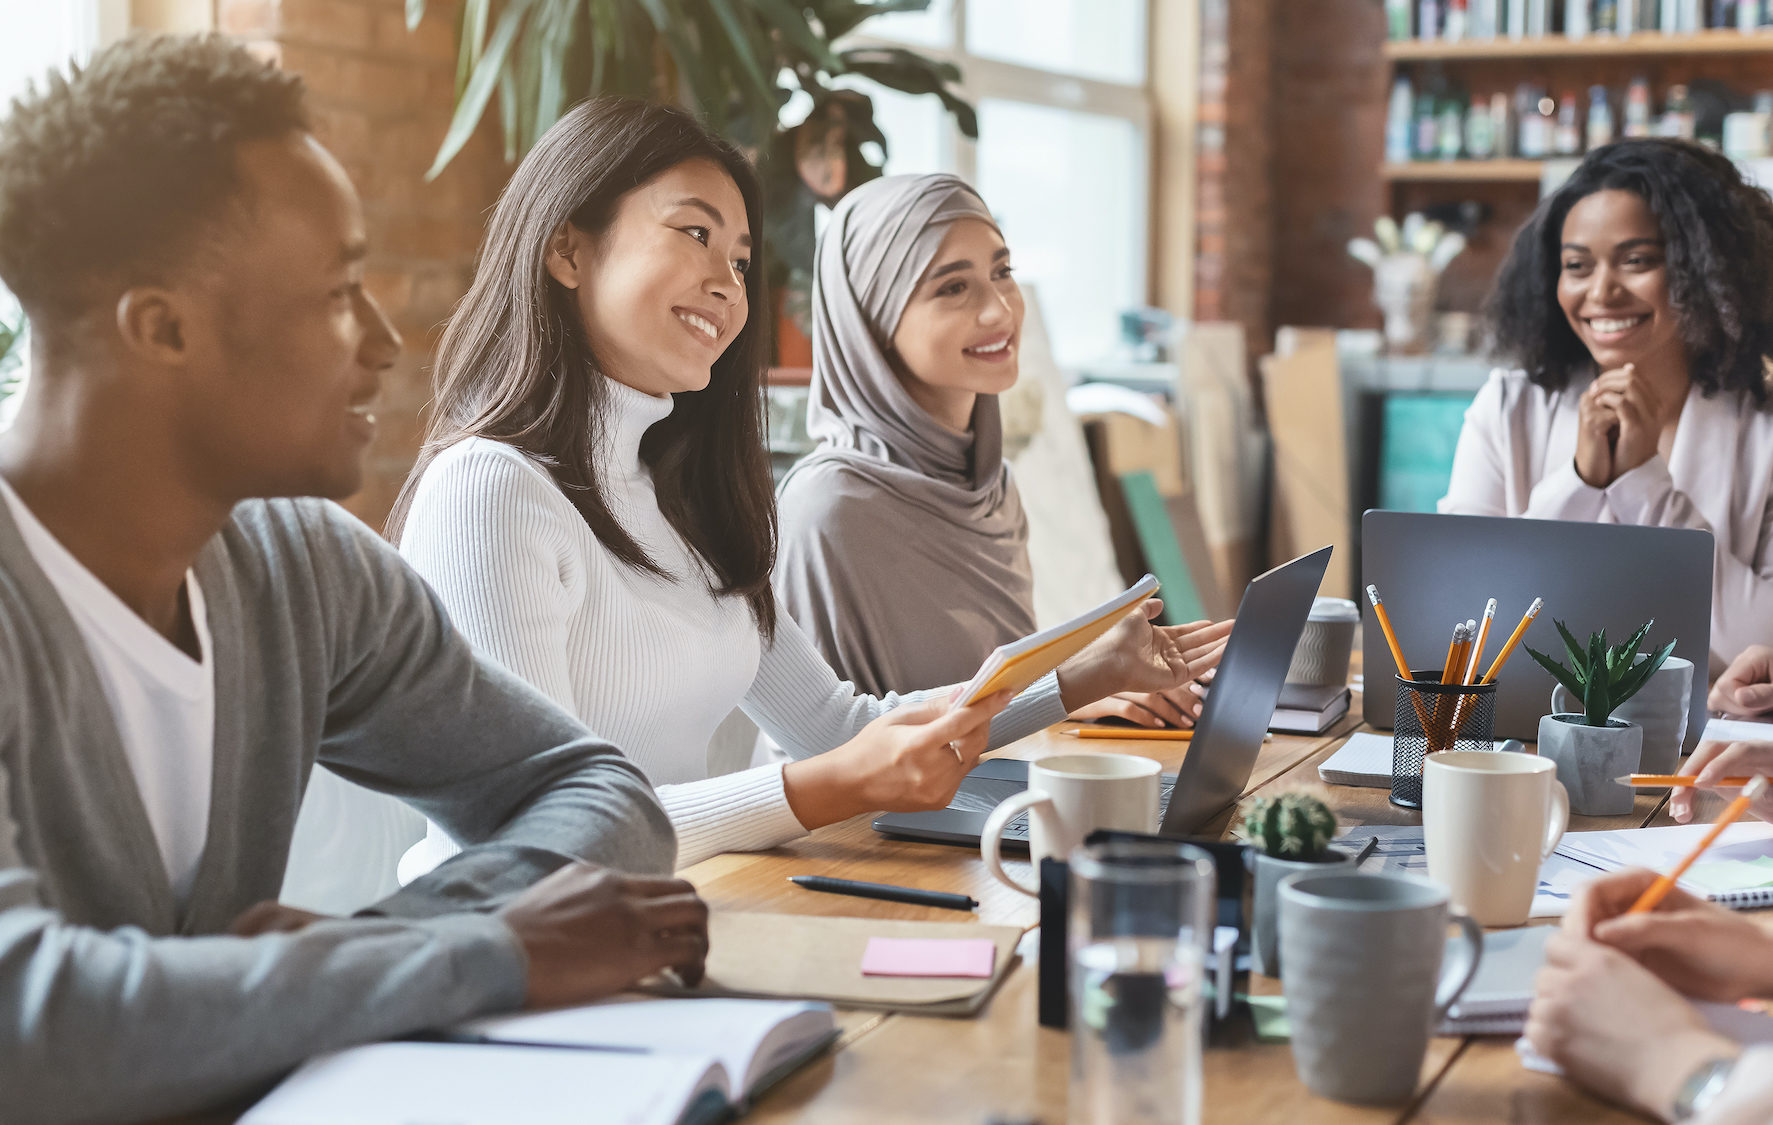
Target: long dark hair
515	366
1718	230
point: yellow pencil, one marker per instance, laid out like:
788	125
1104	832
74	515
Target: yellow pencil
1658	890
1483	638
1397	654
1513	640
1170	733
1676	781
1455	663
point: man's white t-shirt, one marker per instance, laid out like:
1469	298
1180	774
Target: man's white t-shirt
162	700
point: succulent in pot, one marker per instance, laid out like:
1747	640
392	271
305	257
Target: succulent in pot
1593	749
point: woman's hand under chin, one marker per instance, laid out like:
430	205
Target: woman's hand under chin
1139	658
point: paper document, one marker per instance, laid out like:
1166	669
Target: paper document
1014	666
1737	730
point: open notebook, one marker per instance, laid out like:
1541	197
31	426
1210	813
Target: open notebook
1736	871
1014	666
625	1062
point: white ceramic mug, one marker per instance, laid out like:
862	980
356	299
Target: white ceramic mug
1489	820
1068	797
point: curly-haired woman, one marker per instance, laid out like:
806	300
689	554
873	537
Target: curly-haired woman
1637	308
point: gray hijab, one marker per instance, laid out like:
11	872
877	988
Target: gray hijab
904	546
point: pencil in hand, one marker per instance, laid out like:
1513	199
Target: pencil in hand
1658	890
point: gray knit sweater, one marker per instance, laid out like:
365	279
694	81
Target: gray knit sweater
114	1004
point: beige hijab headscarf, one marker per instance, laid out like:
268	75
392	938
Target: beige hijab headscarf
904	546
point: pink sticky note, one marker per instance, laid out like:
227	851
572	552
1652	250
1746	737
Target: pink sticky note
929	957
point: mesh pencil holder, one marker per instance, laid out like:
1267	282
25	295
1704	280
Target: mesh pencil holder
1433	717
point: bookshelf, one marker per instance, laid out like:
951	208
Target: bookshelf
1643	44
1463	171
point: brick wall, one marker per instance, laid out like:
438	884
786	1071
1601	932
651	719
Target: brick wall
1234	229
382	97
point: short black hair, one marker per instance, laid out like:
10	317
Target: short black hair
1718	231
111	172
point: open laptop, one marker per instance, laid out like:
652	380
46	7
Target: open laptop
1227	736
1434	570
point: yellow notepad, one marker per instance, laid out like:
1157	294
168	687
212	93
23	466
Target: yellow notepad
1014	666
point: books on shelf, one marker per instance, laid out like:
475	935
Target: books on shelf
626	1062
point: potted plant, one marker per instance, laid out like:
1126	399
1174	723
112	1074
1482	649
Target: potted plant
1288	833
1593	749
748	67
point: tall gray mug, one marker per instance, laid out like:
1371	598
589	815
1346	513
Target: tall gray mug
1361	968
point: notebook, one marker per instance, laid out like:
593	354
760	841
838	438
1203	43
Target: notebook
811	958
643	1062
1014	666
1365	759
1311	709
1495	1003
1736	871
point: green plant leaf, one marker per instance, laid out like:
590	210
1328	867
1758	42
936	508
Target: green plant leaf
415	11
1597	706
1577	654
1563	675
840	17
1640	674
743	51
793	26
487	74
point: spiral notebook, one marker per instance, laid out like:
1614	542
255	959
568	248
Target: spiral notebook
1736	871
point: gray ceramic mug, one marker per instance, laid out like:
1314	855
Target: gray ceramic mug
1361	969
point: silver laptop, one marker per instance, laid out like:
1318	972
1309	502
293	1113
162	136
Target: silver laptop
1226	740
1433	571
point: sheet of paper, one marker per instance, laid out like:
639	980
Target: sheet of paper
1365	759
929	957
398	1083
1722	876
1737	730
1401	848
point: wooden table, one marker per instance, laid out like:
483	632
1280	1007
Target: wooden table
888	1069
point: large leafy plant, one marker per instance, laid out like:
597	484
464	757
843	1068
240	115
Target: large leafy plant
738	61
1602	677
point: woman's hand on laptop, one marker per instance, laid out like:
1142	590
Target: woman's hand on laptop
1178	707
1715	761
1745	690
1139	657
911	759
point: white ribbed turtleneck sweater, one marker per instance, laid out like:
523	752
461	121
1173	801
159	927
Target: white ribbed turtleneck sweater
651	664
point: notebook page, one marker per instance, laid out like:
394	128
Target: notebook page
751	1038
1720	874
455	1084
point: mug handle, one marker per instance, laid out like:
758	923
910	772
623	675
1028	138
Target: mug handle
1460	972
1560	821
991	839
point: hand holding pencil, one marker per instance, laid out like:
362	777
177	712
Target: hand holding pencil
1714	765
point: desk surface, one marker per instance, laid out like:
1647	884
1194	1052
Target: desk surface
889	1068
1003	1064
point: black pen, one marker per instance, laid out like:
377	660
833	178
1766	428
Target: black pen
885	891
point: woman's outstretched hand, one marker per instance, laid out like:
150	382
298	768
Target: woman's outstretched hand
1139	657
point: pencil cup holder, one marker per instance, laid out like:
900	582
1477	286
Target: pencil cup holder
1433	717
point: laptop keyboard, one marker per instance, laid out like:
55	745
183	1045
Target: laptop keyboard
983	800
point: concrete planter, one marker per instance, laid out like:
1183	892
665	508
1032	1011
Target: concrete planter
1265	910
1588	760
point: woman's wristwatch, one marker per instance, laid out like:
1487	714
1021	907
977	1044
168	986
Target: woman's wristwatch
1702	1087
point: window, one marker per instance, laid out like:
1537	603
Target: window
1063	156
40	37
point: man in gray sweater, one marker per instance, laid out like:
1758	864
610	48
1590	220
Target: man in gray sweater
177	651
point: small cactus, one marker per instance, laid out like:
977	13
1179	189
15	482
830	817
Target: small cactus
1293	826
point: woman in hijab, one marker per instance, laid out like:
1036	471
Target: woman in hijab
904	551
593	501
